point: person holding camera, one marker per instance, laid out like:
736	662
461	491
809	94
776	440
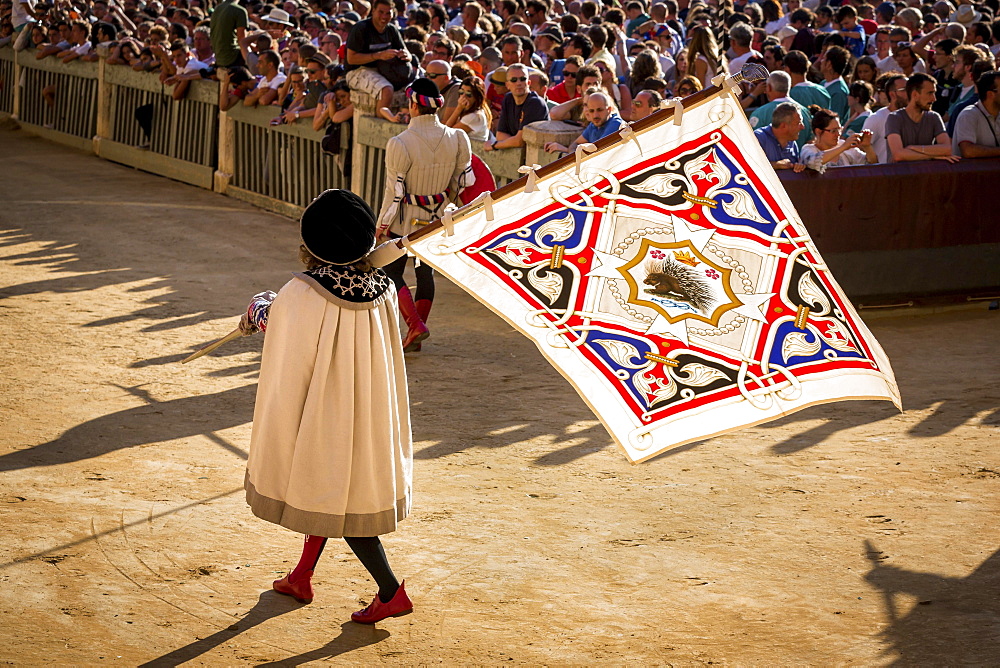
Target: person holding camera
829	151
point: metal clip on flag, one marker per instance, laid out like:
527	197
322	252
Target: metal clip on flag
676	288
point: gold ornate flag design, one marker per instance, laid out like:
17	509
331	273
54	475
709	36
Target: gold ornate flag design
670	280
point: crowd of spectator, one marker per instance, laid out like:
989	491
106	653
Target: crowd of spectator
849	82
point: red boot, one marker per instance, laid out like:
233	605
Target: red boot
399	605
417	329
423	310
301	590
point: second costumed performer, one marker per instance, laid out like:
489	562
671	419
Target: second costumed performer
427	166
331	453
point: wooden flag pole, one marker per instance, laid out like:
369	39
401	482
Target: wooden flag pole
235	334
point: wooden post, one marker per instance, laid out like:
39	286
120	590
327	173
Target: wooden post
103	129
18	89
364	105
227	153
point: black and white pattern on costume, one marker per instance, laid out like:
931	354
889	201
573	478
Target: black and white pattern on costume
349	284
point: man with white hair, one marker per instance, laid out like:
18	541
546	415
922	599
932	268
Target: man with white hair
778	85
600	110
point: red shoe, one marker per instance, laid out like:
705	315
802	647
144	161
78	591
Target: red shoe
301	590
417	331
399	605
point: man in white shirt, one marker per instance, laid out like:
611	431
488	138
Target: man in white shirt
266	91
977	130
894	94
740	37
80	45
185	68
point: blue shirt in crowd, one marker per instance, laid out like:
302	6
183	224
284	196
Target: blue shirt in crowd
592	133
773	149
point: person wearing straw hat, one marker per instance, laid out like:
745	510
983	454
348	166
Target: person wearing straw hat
331	452
966	14
276	24
427	166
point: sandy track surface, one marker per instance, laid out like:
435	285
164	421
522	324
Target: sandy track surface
847	534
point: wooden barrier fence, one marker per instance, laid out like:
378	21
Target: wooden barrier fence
891	232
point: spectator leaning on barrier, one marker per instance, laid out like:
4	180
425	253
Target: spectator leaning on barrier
977	130
235	84
915	132
79	42
315	89
892	93
778	138
587	76
829	150
778	84
185	67
266	91
604	120
373	40
520	107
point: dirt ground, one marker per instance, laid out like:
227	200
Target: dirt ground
848	534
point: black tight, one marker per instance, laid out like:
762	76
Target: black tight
370	553
425	277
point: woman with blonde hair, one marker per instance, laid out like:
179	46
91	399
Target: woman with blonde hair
472	113
703	55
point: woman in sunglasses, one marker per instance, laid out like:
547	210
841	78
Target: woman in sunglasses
688	85
472	114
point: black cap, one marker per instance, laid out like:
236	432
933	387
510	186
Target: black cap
554	32
338	227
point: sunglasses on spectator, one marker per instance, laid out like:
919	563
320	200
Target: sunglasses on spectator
516	79
685	91
313	70
436	75
570	73
465	93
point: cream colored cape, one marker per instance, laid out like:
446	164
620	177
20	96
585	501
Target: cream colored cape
331	452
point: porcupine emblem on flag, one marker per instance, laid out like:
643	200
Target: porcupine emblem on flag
672	283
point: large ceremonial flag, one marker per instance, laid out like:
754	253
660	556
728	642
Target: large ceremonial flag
668	277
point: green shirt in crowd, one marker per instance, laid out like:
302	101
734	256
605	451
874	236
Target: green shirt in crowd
807	93
838	99
762	118
227	17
